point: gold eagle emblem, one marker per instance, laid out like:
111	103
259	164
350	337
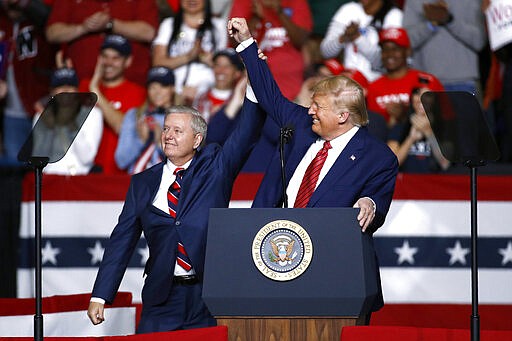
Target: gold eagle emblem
282	252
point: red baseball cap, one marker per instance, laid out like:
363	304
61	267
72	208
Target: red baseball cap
334	66
396	35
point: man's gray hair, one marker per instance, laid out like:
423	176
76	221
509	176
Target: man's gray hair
198	123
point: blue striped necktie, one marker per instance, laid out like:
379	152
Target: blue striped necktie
173	195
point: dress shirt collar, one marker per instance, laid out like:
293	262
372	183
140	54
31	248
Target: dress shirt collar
170	167
341	141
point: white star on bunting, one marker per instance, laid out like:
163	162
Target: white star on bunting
49	253
96	252
506	253
406	253
457	253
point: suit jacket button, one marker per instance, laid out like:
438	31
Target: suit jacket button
177	222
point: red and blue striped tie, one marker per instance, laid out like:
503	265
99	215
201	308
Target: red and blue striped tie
174	192
172	198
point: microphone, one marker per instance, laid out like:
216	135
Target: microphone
285	135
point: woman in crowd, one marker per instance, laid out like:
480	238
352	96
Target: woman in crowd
186	43
139	139
414	142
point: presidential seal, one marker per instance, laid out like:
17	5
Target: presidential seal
282	250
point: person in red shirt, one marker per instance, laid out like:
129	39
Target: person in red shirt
81	26
228	70
26	62
116	95
281	28
389	95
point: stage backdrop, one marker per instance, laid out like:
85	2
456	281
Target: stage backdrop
423	248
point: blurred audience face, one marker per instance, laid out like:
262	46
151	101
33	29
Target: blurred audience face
416	101
367	4
394	57
226	74
160	95
192	6
114	64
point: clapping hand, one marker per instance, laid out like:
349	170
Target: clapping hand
351	33
96	22
437	12
94	85
422	124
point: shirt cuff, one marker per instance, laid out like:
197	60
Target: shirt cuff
249	93
97	300
244	44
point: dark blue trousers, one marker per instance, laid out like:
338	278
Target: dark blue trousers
184	309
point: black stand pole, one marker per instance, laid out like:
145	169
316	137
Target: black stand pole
284	136
283	175
463	136
38	163
475	318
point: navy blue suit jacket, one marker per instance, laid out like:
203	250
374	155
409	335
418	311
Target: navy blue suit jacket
207	183
365	168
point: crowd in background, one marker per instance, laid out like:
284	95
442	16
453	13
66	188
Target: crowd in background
141	57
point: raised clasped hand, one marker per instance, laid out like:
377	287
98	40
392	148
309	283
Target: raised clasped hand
238	29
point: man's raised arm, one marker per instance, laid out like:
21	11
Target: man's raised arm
261	79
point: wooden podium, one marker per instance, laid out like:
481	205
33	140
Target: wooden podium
310	328
335	287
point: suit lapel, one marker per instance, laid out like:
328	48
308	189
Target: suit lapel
188	186
154	180
343	164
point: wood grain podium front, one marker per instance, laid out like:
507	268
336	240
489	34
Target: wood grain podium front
291	328
288	274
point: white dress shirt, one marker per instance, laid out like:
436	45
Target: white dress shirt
337	144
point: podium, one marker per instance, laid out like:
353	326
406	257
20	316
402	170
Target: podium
289	274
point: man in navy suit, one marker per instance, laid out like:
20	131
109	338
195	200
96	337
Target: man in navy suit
359	170
171	295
